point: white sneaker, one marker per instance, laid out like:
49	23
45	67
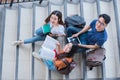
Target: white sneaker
36	55
19	42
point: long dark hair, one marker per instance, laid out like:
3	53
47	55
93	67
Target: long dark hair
72	51
62	54
58	14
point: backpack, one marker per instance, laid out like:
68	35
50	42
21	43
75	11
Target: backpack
95	58
75	20
63	66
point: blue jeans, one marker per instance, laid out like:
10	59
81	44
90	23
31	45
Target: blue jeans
83	37
39	37
49	64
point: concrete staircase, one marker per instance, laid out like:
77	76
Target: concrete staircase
20	22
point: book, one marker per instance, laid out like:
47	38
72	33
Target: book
46	28
74	40
48	47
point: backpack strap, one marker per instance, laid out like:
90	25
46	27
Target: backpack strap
104	57
65	61
95	62
90	68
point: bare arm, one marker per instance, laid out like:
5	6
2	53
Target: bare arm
58	47
89	46
86	28
56	35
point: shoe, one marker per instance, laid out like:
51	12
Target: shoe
36	55
19	42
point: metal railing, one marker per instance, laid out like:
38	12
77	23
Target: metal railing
11	2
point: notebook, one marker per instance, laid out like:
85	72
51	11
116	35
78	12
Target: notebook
74	40
46	28
48	47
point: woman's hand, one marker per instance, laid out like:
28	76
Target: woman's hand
53	35
62	35
54	59
58	47
58	44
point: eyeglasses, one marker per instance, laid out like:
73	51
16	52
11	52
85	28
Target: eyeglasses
102	24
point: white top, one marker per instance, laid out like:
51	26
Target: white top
60	30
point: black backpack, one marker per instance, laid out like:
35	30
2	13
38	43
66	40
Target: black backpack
75	20
95	58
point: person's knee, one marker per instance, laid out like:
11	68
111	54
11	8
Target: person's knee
69	28
69	31
39	31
